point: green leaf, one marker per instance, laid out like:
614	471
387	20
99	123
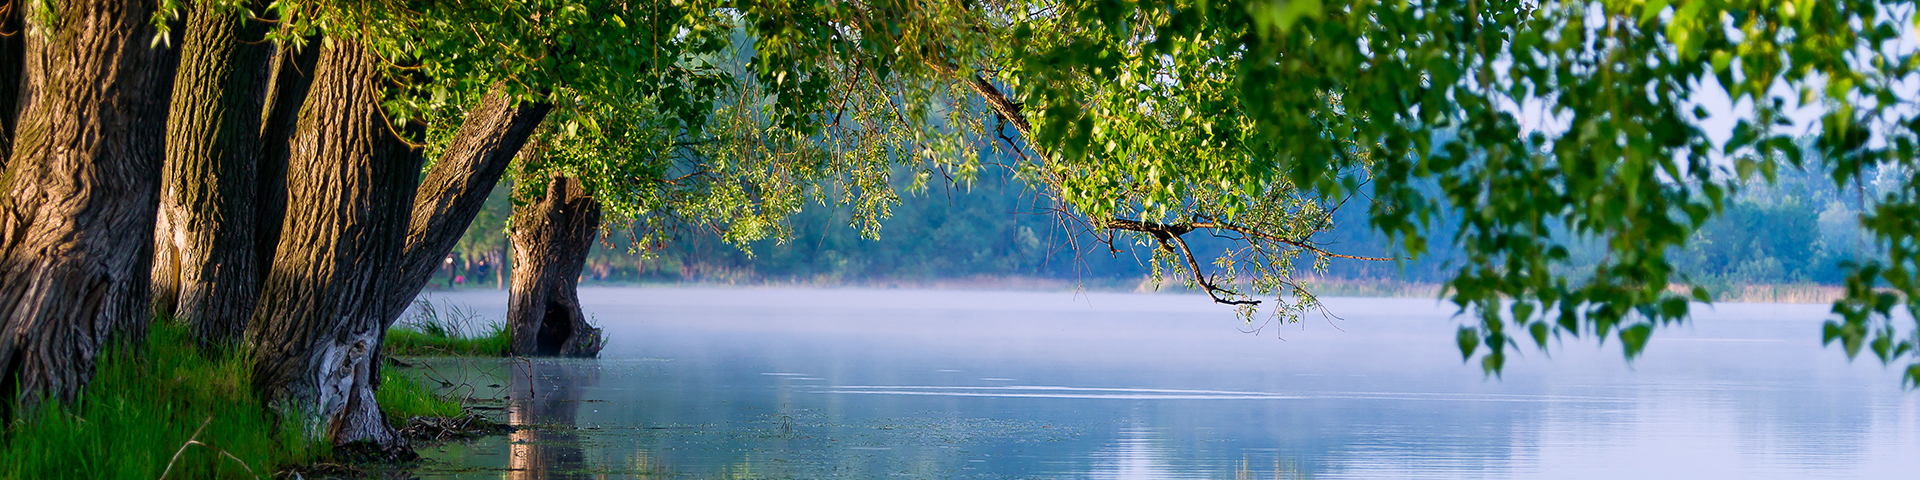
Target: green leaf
1673	308
1634	339
1522	311
1469	339
1493	362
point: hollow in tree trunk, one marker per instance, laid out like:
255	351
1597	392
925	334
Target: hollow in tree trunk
77	215
205	267
350	183
551	236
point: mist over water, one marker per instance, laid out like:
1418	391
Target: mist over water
845	383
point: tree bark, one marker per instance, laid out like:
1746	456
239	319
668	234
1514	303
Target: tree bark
81	187
456	187
292	77
551	237
349	185
206	272
454	191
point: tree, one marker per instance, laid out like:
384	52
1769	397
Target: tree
351	181
687	146
206	270
349	89
553	229
358	242
80	188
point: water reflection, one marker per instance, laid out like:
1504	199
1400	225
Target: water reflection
544	400
866	384
1136	455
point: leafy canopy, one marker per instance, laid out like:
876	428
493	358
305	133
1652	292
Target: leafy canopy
1254	119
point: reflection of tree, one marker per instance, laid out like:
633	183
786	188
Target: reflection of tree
545	395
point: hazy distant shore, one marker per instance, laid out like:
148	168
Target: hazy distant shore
1325	287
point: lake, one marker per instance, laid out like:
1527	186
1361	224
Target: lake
851	383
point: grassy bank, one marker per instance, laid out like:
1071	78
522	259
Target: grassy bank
402	397
450	331
173	411
410	342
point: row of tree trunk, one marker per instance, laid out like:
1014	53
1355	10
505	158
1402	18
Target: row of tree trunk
255	192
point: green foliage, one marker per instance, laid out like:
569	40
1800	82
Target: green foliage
1262	117
1352	101
145	408
741	179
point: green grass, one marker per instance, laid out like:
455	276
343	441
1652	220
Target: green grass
406	341
138	413
143	409
452	332
402	398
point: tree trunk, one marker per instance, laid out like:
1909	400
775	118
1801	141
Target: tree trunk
551	236
81	187
349	185
292	77
205	267
454	191
456	187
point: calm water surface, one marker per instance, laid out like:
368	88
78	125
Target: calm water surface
796	383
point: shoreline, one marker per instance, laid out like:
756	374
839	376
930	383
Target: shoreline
1790	293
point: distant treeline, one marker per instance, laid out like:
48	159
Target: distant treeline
1798	230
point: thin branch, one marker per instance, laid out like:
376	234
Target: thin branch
1182	229
191	441
1205	283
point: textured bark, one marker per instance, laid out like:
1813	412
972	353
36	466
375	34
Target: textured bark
551	237
76	221
349	185
206	271
456	188
292	77
454	191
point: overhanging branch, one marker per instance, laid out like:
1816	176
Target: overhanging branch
1171	240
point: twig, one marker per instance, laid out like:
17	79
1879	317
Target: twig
1179	229
192	440
243	464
